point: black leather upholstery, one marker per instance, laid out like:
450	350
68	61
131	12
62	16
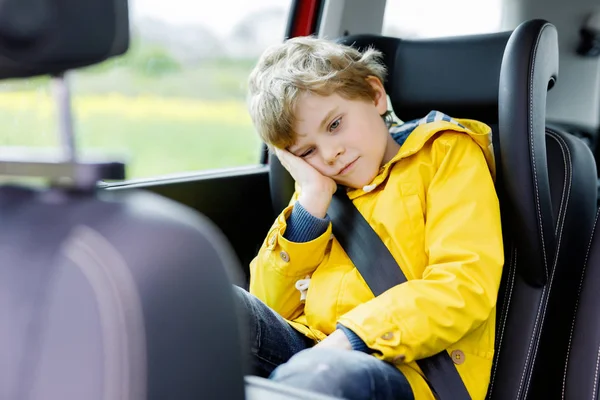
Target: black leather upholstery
581	379
533	319
547	209
281	184
430	72
549	205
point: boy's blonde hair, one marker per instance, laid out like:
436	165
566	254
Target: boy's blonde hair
306	64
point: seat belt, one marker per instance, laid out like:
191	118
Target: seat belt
381	272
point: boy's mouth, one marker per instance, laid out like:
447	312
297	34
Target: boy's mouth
347	168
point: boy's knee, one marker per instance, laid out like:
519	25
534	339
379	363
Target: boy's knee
244	303
250	308
343	373
242	297
239	290
323	362
335	372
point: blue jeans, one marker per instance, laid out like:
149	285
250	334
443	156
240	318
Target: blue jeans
285	355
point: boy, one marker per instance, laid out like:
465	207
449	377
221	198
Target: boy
425	187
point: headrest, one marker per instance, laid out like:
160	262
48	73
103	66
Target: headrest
39	37
456	75
589	44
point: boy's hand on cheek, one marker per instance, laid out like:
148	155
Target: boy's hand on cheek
316	189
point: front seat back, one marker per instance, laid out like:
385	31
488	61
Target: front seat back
102	296
113	297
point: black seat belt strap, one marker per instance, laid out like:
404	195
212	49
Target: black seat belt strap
381	272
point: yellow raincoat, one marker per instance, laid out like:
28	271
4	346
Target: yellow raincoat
435	207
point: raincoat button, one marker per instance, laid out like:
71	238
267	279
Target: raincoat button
458	357
284	256
387	336
399	359
272	240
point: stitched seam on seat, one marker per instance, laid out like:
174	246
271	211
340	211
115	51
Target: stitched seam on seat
529	348
585	262
537	199
595	391
567	161
531	142
510	286
561	218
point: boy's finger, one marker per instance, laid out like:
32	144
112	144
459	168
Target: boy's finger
283	157
287	156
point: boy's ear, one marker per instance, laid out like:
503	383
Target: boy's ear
380	95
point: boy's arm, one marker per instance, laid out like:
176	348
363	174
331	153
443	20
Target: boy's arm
458	289
303	227
293	249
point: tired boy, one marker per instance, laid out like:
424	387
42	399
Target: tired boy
426	188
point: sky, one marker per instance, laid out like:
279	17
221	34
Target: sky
427	17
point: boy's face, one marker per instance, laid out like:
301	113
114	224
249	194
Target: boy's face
346	140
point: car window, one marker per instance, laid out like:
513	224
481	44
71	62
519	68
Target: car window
438	18
174	103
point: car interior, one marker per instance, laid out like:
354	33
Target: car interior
118	288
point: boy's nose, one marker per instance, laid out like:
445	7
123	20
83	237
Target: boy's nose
332	154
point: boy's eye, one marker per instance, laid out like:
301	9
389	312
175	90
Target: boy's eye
306	153
335	124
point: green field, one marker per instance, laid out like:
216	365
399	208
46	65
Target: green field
154	142
174	121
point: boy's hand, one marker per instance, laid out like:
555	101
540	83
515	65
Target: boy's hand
337	339
316	189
